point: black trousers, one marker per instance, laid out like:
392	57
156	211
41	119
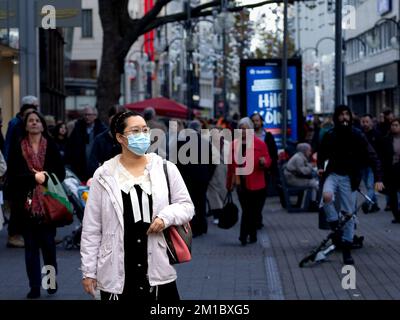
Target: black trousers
392	185
164	293
39	237
252	203
198	194
15	225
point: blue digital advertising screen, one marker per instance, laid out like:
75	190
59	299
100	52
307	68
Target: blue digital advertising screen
261	92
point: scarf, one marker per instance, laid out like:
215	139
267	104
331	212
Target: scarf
35	161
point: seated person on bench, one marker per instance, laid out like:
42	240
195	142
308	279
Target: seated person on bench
300	173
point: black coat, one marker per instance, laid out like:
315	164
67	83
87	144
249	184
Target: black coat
391	172
354	149
104	148
75	155
376	140
198	174
22	180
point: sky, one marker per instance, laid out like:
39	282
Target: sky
255	15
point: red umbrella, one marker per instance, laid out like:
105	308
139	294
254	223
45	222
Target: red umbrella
162	106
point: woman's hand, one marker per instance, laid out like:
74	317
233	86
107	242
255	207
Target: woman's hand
156	226
89	285
40	176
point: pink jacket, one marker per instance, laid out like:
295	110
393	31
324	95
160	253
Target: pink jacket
102	242
256	179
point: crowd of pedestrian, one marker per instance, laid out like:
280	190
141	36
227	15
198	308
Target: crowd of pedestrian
129	195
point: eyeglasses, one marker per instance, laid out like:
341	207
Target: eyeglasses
90	114
136	130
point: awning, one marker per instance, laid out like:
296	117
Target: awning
163	107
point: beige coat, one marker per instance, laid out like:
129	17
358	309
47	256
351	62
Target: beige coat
298	163
102	243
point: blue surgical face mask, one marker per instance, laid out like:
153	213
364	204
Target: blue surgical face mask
138	143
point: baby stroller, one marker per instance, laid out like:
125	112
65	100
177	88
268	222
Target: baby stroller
327	246
76	193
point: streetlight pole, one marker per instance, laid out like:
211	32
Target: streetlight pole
284	75
188	27
338	54
223	10
148	69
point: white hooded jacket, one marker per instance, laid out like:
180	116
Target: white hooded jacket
102	241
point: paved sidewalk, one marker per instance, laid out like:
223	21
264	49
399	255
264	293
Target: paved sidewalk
222	269
377	272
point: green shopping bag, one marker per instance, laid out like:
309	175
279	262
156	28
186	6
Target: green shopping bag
56	205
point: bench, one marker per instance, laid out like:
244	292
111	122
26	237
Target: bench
290	191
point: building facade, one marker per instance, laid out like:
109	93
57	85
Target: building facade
372	57
83	59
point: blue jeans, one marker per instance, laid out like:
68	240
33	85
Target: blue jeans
368	178
340	185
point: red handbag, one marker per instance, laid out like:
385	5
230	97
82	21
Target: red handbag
57	213
56	205
178	238
179	243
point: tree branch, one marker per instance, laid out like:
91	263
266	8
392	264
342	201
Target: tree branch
198	12
153	13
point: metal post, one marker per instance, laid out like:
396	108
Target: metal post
149	80
285	75
338	54
226	109
188	26
29	53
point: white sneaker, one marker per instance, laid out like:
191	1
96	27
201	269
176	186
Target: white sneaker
216	221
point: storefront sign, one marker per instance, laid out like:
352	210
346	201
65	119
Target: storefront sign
67	13
8	14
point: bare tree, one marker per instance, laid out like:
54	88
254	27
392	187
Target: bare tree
120	32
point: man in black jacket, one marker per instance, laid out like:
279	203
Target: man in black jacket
80	143
104	145
344	150
376	141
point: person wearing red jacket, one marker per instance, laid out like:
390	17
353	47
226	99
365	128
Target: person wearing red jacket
250	158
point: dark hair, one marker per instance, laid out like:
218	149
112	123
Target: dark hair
57	127
367	115
26	107
386	112
115	109
41	118
255	113
118	123
395	120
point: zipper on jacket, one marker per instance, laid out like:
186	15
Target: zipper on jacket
156	292
152	289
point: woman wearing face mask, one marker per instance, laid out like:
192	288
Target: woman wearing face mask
123	249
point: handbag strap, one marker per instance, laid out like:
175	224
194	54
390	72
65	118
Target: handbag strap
228	198
167	178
